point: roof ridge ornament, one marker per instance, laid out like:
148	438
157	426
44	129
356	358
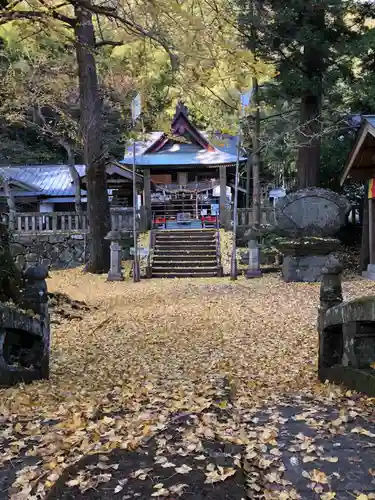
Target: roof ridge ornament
182	109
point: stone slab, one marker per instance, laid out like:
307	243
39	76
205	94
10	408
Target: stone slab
311	212
319	453
303	269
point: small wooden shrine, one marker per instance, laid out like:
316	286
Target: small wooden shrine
361	167
186	173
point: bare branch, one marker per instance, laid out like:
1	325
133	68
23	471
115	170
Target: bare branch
111	43
134	27
22	15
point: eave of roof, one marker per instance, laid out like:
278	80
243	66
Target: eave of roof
54	180
220	143
368	127
200	158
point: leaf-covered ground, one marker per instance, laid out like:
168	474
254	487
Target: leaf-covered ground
138	353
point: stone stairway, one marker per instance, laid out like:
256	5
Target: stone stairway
185	253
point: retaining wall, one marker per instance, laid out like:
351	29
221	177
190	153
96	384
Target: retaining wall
60	251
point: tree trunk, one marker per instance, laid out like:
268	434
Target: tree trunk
308	160
11	203
91	129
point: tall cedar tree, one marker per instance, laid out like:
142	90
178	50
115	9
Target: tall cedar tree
308	42
77	15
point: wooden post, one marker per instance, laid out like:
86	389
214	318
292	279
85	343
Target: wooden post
147	195
136	270
223	196
371	228
370	273
248	181
364	258
256	158
233	265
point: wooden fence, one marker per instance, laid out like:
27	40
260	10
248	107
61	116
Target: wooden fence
245	216
67	222
71	222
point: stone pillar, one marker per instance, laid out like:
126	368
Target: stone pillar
115	271
35	293
253	270
330	288
35	297
330	296
147	195
224	222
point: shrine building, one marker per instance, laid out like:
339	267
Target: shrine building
188	176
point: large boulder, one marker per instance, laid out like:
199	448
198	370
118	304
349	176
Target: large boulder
311	212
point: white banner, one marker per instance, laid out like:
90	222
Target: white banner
136	107
246	97
245	100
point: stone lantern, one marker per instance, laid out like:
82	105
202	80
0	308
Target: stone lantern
253	270
115	271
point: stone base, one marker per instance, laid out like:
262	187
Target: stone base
24	348
370	273
352	378
306	269
253	273
115	277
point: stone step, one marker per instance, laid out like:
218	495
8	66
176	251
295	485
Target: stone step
176	231
183	245
184	257
183	254
184	274
185	237
183	263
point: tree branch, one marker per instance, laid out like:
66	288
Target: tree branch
111	43
136	28
22	15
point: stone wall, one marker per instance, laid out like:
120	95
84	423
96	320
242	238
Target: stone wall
58	251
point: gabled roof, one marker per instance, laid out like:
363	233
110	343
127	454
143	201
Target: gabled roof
181	126
185	145
114	167
361	161
54	180
42	180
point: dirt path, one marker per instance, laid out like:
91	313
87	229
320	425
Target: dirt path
143	351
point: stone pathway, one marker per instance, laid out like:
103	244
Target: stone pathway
299	448
310	450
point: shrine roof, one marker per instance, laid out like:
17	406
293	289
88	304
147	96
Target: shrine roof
360	165
183	145
222	152
53	180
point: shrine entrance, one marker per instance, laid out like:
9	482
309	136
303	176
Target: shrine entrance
185	207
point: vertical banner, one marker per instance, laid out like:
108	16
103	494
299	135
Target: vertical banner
136	107
371	189
245	100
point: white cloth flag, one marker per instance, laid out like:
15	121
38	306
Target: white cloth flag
246	97
245	100
136	107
